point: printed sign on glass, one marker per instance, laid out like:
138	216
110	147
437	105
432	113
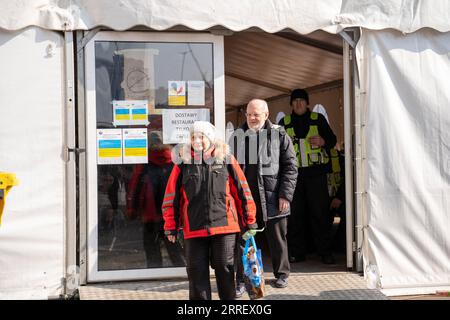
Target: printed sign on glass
130	112
135	146
109	146
177	93
196	93
177	123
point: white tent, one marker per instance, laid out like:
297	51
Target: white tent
401	109
406	146
269	15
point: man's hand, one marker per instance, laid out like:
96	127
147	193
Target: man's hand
316	141
283	205
335	203
172	238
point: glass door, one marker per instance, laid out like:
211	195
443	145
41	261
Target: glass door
143	91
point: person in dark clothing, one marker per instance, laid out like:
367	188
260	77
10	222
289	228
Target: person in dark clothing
145	195
204	192
312	137
266	155
337	205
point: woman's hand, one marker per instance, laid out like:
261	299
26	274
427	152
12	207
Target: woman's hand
172	238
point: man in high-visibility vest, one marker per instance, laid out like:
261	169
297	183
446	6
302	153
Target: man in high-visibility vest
311	136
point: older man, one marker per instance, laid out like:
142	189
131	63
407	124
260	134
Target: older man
267	157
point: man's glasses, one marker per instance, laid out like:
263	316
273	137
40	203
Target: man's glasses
255	115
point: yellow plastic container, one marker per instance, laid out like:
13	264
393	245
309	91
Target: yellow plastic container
7	181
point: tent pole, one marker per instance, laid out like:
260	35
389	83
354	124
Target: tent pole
82	175
348	156
354	144
359	165
70	267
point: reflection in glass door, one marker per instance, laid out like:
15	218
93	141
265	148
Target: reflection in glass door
130	85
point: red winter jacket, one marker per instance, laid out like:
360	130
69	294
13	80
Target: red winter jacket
205	199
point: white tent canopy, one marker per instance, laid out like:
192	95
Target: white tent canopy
406	121
302	16
406	170
31	138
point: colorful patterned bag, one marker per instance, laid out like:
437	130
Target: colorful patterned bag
253	270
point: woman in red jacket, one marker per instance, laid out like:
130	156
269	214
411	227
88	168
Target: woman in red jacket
207	196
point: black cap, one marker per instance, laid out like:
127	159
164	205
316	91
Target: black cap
299	94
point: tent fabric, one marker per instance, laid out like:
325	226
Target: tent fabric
302	16
407	170
31	140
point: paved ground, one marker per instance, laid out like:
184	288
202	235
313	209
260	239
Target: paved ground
309	280
323	286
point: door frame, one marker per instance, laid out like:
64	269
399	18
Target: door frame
354	153
91	223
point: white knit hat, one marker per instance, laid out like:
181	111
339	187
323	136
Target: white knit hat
206	128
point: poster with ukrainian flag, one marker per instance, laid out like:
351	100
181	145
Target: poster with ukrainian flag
130	112
109	146
121	113
139	112
135	144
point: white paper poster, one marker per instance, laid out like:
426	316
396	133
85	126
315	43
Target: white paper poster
130	112
177	93
135	145
109	146
121	113
139	112
196	93
176	123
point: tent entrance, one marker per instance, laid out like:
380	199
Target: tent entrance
225	72
270	66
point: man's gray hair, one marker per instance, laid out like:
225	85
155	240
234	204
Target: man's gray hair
261	102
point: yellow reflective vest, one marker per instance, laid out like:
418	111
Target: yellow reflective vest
306	155
334	177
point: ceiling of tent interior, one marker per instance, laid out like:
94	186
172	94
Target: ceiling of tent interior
270	66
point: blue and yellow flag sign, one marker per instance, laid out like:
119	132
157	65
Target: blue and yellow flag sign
135	143
109	146
130	112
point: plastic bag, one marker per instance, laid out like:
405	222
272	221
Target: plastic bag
253	270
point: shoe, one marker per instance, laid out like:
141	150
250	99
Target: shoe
281	282
328	259
297	258
240	289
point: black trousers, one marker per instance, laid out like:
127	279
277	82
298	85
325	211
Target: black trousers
219	250
310	209
339	238
276	235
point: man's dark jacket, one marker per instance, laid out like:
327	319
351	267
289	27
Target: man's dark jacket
276	170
